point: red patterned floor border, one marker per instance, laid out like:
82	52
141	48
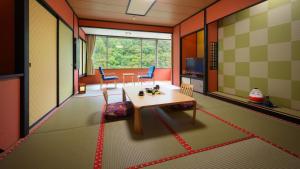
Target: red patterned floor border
176	135
32	130
100	142
253	134
227	122
99	151
165	159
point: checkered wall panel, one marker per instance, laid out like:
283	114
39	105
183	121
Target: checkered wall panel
260	47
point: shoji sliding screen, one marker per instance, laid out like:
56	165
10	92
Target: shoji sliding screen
83	57
65	62
80	57
42	58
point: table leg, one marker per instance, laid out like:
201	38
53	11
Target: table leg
137	121
123	95
194	112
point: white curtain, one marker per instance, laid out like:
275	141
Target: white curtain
91	40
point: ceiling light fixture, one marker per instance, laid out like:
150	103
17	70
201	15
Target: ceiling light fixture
139	7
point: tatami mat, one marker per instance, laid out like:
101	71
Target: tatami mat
207	131
68	149
278	131
78	112
67	140
249	154
122	148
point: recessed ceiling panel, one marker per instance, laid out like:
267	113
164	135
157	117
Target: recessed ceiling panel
139	7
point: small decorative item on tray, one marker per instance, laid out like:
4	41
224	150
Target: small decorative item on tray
153	91
141	93
148	90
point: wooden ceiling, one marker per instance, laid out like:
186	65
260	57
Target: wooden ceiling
163	12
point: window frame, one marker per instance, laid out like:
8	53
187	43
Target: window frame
141	51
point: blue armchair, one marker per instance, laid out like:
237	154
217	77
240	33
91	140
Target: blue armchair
148	76
105	78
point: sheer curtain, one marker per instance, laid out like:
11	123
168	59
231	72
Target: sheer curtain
91	39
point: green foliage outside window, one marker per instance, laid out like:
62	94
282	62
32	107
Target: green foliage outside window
124	53
164	53
148	53
100	52
116	53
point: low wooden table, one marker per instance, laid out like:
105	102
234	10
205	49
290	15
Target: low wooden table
132	75
167	97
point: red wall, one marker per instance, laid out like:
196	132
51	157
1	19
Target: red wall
9	112
176	55
159	74
193	24
227	7
62	9
189	48
212	74
124	26
76	75
82	34
76	28
7	57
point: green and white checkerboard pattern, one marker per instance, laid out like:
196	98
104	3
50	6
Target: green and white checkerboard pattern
260	47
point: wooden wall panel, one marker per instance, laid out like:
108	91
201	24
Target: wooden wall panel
176	56
9	112
7	28
200	44
227	7
188	49
193	24
212	74
62	9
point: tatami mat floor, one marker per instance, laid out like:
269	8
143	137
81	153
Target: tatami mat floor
224	136
249	154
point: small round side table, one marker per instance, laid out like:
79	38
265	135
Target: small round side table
125	75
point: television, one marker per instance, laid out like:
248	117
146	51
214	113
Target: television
194	66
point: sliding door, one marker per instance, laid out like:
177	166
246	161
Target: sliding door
42	58
80	57
65	62
83	57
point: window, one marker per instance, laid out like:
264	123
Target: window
164	53
123	52
148	53
100	52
